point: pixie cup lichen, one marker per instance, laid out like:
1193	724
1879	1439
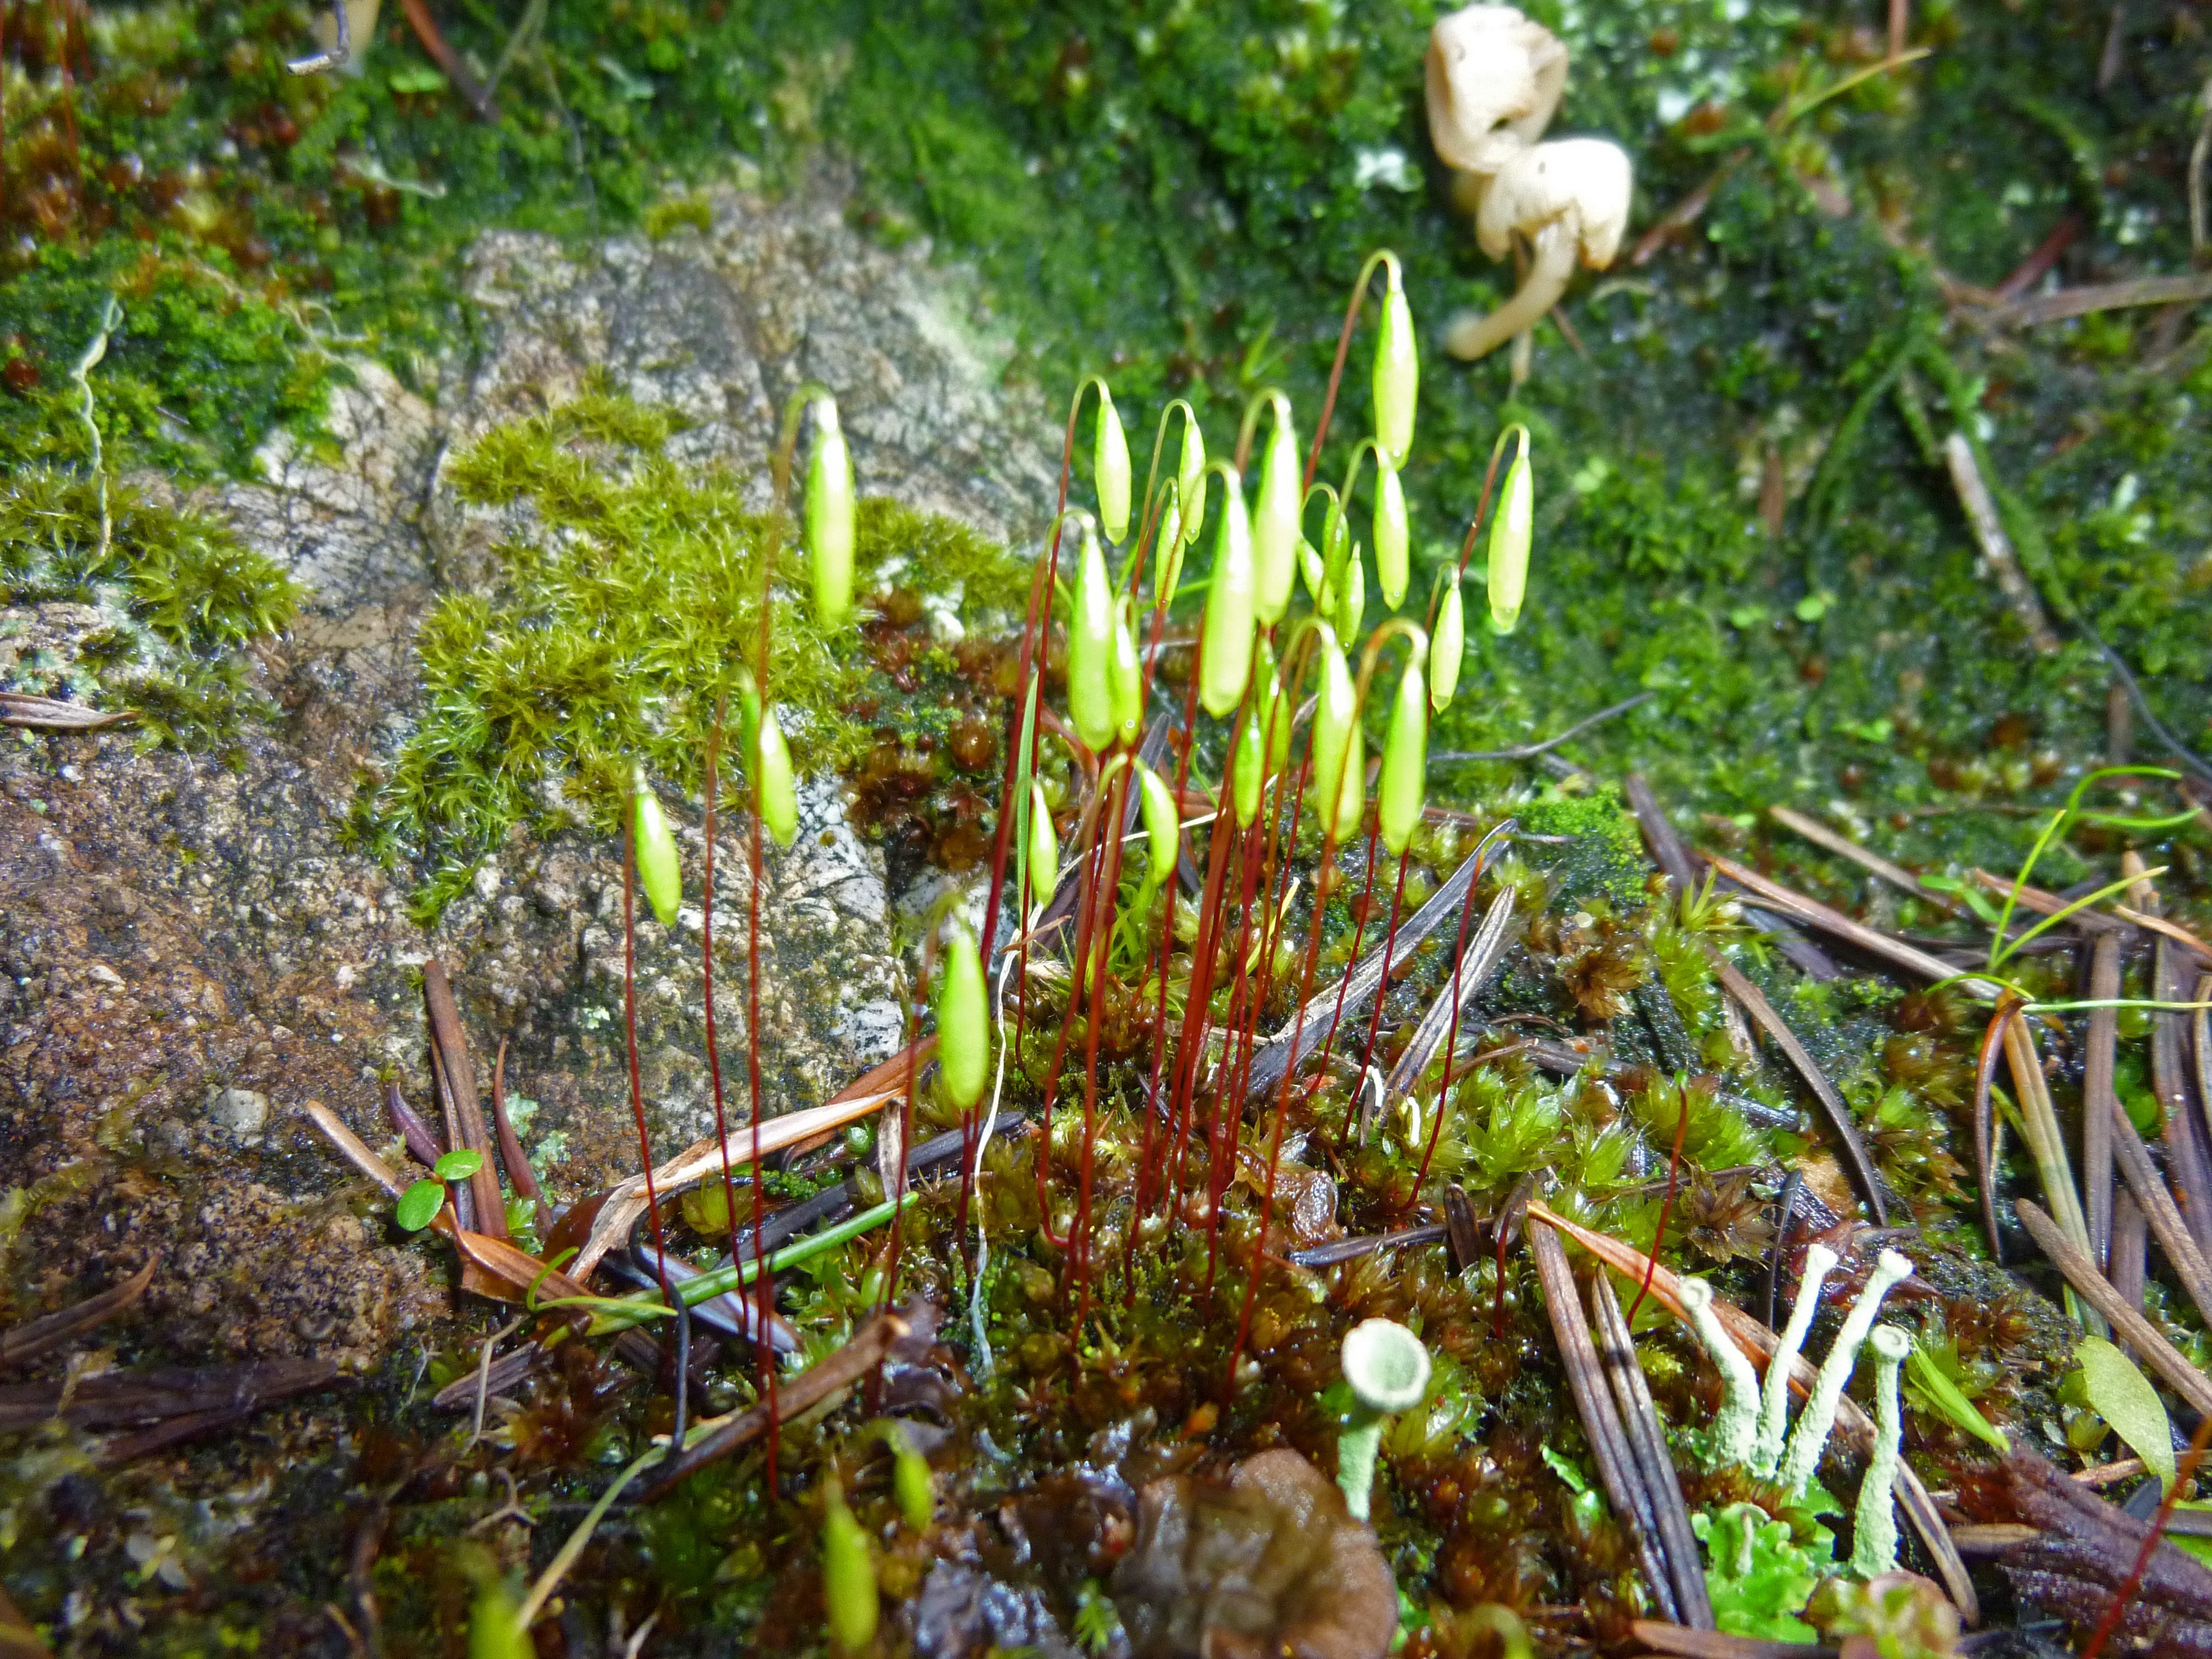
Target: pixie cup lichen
1387	1369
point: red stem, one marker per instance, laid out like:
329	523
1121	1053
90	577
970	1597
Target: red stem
1666	1204
707	973
1451	1039
2126	1593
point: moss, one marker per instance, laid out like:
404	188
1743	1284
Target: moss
178	595
622	602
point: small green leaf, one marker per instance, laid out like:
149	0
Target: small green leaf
1932	1389
2123	1397
460	1164
419	1205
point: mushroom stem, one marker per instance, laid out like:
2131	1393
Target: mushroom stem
1388	1371
1819	1416
1874	1549
1470	336
1355	1459
1736	1426
1774	1403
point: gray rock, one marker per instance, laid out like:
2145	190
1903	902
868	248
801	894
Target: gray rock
242	1113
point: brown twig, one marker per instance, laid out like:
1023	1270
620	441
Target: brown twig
2159	1215
460	1080
21	709
2031	270
713	1441
1647	1442
2152	1348
1673	856
1617	1471
2099	1099
42	1335
1896	875
442	53
2004	564
1833	921
2104	296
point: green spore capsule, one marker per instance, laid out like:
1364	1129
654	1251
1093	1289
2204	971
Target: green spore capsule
848	1576
1352	597
1043	848
1162	825
1351	790
1275	521
1392	533
964	1034
1336	715
1227	640
1190	479
1312	571
1090	646
1449	647
1404	756
829	517
657	869
1397	372
1125	674
911	1483
1167	544
775	794
1247	767
1512	533
1109	467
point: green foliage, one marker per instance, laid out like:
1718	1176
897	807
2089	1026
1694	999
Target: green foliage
459	1163
607	631
1757	1575
419	1205
2121	1394
1933	1382
183	594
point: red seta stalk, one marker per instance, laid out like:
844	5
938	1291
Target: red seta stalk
629	1036
1666	1204
707	975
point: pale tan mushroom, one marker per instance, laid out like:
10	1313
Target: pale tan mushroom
1494	78
1570	198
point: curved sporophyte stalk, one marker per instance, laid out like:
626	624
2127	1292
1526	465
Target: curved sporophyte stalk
829	515
1396	376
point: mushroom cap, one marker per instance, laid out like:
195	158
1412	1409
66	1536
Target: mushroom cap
1583	183
1494	78
1889	1343
1386	1365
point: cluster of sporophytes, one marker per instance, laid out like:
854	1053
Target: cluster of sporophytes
1159	1054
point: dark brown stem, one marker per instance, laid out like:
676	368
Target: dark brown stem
2126	1593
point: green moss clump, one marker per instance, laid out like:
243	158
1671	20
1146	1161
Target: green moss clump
179	594
623	607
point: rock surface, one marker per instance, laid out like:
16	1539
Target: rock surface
189	952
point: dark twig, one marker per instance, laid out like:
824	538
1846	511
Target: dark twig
422	1145
1647	1442
1617	1469
43	1335
1530	751
1754	1003
1785	1205
1985	1119
520	1174
1348	1249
